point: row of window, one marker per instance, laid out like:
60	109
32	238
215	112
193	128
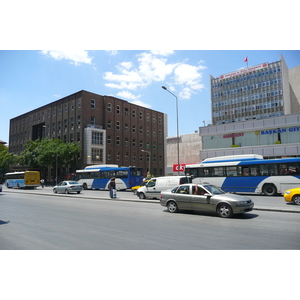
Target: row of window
245	77
246	118
248	108
251	170
247	88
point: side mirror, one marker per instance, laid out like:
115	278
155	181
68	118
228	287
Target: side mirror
207	195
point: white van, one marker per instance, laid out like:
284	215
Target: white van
156	185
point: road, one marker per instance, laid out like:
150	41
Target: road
36	222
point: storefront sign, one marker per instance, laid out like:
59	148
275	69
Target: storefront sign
231	135
279	130
244	71
181	168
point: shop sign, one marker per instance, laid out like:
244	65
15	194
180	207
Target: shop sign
231	135
181	168
279	130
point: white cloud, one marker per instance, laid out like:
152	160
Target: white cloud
162	52
153	66
128	95
140	103
76	56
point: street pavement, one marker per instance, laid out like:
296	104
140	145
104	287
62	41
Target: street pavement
260	202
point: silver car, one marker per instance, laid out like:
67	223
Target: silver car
68	187
206	198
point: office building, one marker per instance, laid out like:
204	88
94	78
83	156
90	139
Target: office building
257	92
109	130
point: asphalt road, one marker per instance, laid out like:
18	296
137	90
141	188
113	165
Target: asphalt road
36	222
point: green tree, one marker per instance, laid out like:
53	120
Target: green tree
47	152
6	159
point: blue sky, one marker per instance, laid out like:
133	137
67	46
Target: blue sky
32	78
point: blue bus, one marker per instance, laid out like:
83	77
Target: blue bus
98	176
248	173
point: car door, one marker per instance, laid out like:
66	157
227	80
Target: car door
200	199
183	197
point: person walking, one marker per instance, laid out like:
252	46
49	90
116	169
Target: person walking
112	188
42	183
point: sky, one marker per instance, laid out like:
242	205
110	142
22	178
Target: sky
33	78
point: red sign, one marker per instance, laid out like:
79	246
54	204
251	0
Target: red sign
181	168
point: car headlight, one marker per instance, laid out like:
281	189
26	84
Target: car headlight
287	192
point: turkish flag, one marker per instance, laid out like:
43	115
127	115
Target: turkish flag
246	59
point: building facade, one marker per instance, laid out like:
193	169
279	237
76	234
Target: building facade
190	146
273	137
257	92
109	130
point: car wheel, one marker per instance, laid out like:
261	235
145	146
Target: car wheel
296	199
269	190
224	210
172	207
142	196
134	192
78	192
54	191
67	191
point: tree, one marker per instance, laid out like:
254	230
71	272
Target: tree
47	152
6	159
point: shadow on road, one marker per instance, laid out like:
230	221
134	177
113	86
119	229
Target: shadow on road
3	222
245	216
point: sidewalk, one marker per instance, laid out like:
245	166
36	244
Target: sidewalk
279	205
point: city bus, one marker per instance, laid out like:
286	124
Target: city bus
24	179
98	176
248	173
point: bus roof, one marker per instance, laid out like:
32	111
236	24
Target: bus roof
233	158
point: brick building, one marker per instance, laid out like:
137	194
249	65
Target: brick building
109	130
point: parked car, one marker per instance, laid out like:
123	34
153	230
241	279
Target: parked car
206	198
0	188
292	195
68	187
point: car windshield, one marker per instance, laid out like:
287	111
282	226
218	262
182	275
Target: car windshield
213	189
73	182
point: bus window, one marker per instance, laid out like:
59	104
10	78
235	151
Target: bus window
264	170
205	172
218	172
254	171
245	171
231	171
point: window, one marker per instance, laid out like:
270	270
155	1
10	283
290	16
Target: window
118	109
133	129
93	121
118	140
79	103
133	113
141	115
92	104
118	125
126	111
97	138
78	121
65	125
109	107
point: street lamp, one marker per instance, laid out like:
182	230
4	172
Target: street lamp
178	167
149	160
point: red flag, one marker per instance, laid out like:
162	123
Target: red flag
246	59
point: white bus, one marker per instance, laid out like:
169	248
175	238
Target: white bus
248	173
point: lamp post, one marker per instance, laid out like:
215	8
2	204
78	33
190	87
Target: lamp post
149	160
178	167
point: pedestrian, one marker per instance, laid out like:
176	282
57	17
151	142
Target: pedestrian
112	188
42	182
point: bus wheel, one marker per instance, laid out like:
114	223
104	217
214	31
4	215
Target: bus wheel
269	190
84	186
296	199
